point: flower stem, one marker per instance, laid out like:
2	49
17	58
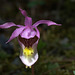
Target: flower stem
32	70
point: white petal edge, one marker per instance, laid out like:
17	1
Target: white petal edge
30	61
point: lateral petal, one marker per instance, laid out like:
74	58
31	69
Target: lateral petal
48	22
7	25
16	33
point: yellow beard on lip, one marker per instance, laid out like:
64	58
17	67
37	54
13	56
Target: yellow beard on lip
28	52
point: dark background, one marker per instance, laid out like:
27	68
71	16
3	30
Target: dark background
56	46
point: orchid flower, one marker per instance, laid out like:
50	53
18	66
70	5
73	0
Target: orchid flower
28	36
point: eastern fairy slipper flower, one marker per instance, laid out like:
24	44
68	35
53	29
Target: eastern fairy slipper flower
27	37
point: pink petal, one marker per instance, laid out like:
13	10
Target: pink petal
7	25
20	26
48	22
23	12
28	33
16	33
28	21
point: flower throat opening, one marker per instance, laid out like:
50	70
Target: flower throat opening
28	42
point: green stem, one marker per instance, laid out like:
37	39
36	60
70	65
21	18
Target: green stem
32	70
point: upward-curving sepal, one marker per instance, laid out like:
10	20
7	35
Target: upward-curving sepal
28	21
23	12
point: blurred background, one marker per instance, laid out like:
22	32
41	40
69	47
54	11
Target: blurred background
56	46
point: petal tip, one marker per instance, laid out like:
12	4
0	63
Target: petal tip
7	42
20	9
23	12
59	24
